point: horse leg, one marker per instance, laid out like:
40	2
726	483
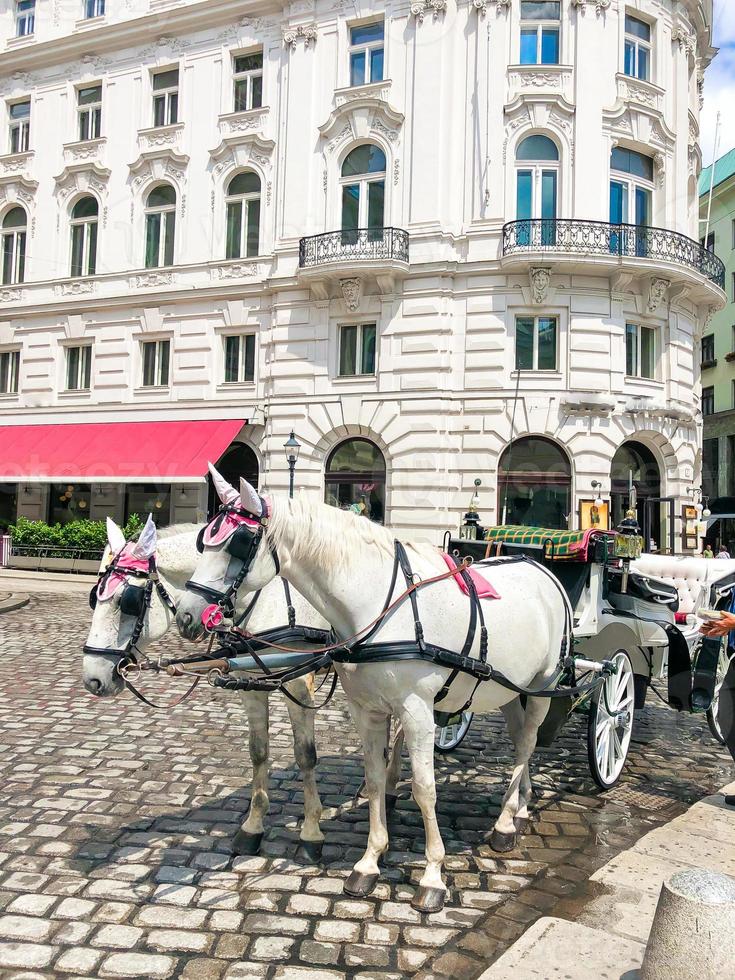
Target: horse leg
514	717
302	723
503	837
247	840
393	773
417	720
373	731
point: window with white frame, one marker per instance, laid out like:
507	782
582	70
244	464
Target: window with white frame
637	48
93	8
166	97
640	351
240	359
14	234
156	355
356	349
9	372
19	126
243	215
160	226
89	112
78	368
25	17
84	219
247	76
363	193
540	28
536	343
367	48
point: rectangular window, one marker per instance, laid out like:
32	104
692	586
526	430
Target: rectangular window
156	358
733	234
25	17
536	342
367	46
9	371
637	48
708	349
78	368
68	502
709	242
19	114
89	112
540	27
357	349
94	8
166	97
240	359
248	81
708	400
640	351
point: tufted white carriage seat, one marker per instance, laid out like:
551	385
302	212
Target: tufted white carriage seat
692	577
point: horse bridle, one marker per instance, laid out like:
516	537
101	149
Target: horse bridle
243	544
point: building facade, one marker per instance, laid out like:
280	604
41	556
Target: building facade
438	240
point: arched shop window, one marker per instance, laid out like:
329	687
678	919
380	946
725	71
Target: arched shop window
355	479
534	484
239	460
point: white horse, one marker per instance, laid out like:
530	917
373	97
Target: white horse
108	642
343	564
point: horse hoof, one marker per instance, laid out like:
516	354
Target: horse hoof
390	802
502	842
359	885
246	844
523	824
310	851
428	899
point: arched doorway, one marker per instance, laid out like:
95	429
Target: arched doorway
534	484
239	460
354	479
635	465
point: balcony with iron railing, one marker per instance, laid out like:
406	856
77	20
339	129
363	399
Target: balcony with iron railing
351	251
637	249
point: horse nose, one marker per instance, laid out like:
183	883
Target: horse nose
93	685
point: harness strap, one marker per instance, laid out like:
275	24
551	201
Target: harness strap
289	604
162	707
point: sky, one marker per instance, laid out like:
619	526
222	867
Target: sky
719	86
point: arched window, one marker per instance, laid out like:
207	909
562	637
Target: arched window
534	484
355	479
631	200
363	193
239	460
160	226
84	217
634	464
243	215
15	225
537	186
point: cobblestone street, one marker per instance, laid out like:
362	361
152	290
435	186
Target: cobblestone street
116	823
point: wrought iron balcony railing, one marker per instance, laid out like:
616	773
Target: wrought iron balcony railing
353	245
601	238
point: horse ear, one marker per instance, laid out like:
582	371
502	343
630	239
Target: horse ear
146	544
115	537
250	499
225	491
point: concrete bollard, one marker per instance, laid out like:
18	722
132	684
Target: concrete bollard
693	931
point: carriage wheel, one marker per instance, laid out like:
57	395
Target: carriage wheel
712	720
611	723
448	738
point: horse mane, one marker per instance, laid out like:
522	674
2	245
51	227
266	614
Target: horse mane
330	535
171	530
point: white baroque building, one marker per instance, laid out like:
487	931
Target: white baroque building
439	240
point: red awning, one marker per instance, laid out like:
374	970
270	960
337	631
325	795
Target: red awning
113	452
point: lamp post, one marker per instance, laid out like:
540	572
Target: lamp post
291	447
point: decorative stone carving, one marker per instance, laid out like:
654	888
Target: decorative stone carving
241	151
396	171
175	45
536	78
540	282
306	31
148	279
351	289
249	121
639	92
237	270
657	294
75	287
659	163
686	40
11	295
17	190
84	150
366	115
150	139
81	177
599	5
158	165
15	163
420	8
343	135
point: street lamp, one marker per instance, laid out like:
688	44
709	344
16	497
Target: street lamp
291	447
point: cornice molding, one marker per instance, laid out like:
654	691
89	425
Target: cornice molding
88	176
239	151
163	164
368	112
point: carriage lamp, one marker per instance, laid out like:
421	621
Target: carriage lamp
628	540
469	529
291	447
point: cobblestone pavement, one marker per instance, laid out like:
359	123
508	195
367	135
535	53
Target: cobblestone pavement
115	828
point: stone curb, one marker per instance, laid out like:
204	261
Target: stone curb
10	601
610	934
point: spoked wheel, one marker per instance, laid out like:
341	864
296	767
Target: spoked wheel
712	720
448	738
611	723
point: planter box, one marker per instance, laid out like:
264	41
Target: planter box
23	561
85	566
82	566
